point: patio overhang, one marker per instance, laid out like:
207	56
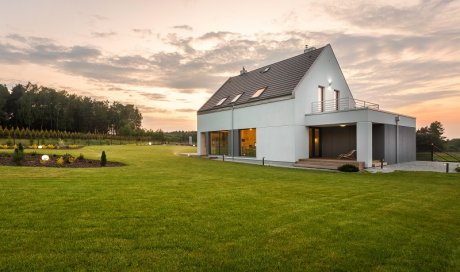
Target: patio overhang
366	122
353	116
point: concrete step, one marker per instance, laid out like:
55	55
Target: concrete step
327	163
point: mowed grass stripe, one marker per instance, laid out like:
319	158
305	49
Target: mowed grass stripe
165	212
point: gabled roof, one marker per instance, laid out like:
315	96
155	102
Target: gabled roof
279	80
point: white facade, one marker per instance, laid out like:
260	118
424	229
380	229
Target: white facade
282	124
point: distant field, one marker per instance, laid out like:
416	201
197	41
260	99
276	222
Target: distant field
426	156
169	213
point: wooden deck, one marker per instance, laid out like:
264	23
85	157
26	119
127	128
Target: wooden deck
325	163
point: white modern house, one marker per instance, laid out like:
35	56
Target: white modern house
300	108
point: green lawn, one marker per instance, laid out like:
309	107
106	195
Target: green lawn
164	212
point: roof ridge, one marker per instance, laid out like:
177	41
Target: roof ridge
320	48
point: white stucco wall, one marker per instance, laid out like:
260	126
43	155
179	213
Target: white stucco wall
274	123
325	69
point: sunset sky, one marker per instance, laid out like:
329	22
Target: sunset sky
168	57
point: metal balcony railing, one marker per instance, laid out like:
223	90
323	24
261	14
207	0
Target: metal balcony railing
341	105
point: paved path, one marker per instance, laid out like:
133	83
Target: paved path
406	166
416	166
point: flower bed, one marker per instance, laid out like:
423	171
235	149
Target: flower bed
34	160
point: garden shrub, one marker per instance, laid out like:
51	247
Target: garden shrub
50	146
21	148
61	143
60	161
348	168
68	158
3	146
103	159
72	146
33	146
18	156
81	157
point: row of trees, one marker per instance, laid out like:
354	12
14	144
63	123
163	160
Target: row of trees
157	136
46	109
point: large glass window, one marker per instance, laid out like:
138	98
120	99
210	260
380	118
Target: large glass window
248	142
336	99
219	142
321	98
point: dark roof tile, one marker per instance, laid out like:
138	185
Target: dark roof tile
280	80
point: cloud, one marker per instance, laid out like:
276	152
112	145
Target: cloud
216	35
99	17
183	27
81	52
103	34
409	17
142	31
16	37
389	67
186	110
154	96
151	109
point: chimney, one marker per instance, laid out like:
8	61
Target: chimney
243	71
308	49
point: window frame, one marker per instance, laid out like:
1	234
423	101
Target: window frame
222	101
236	98
258	92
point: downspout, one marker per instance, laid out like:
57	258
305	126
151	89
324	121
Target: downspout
233	136
397	134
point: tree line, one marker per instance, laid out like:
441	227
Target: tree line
52	136
433	134
46	109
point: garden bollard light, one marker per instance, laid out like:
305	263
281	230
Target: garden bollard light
263	161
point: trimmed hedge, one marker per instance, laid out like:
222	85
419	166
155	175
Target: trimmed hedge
348	168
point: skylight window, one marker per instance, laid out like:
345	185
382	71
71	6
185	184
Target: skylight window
258	92
221	101
236	97
266	69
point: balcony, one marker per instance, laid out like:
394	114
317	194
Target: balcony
341	105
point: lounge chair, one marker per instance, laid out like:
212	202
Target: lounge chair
349	156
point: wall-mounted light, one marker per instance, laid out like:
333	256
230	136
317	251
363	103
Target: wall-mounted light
343	125
330	85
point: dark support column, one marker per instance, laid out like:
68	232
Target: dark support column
236	142
230	143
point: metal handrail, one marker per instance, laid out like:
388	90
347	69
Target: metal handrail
341	104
